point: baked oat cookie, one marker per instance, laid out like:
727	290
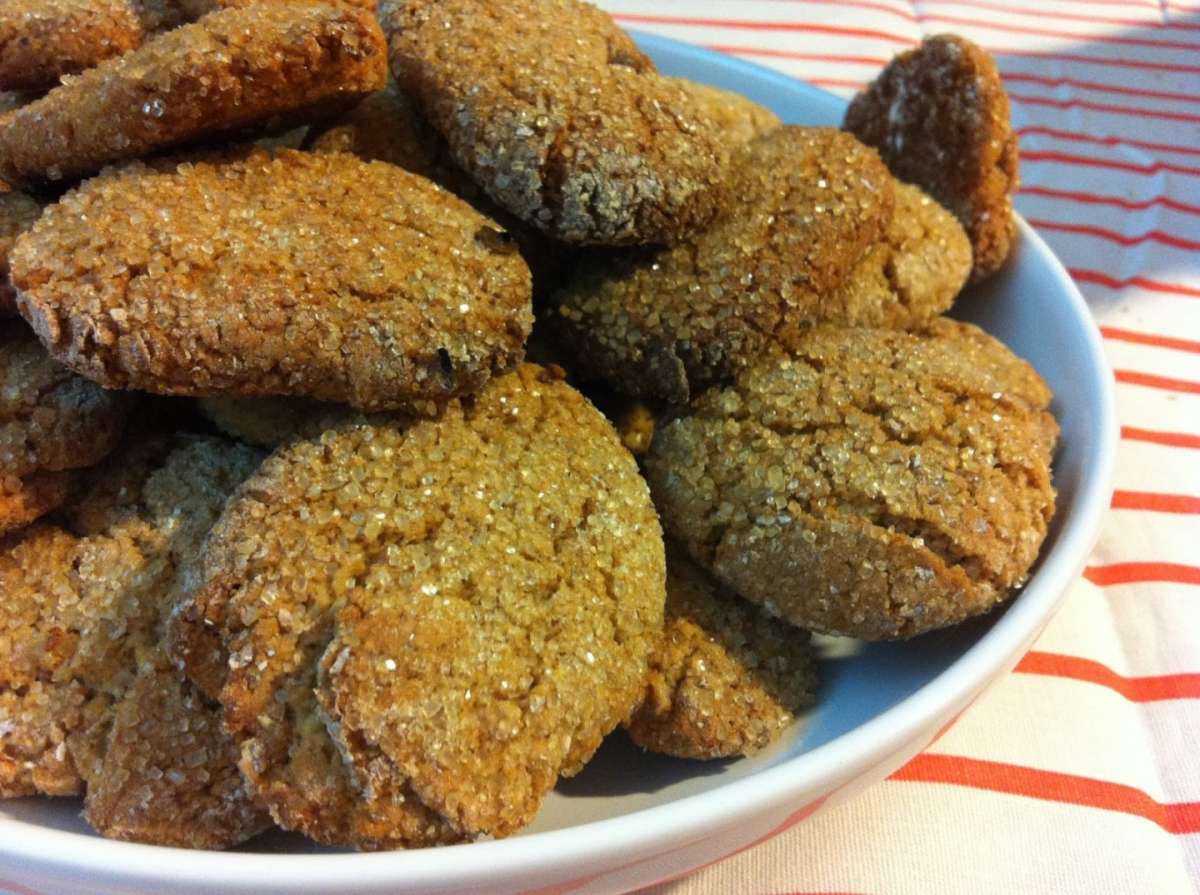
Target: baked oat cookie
51	422
939	117
271	421
805	205
911	275
288	273
726	679
553	110
233	68
18	211
42	40
88	700
737	119
416	629
388	127
874	483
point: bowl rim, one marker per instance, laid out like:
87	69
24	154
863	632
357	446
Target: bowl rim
651	830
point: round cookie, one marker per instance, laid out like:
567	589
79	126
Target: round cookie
472	599
18	211
51	421
805	205
233	68
42	40
726	678
271	421
289	273
737	119
89	699
553	110
939	116
872	483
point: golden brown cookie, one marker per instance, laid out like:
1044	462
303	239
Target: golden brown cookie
231	69
42	40
287	273
914	273
551	108
88	699
805	205
738	120
874	483
726	679
939	117
51	422
388	127
472	598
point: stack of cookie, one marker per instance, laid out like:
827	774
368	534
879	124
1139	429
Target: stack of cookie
292	534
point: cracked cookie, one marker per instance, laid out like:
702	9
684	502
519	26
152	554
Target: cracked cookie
88	698
871	483
289	273
939	117
726	678
416	629
231	69
557	115
805	205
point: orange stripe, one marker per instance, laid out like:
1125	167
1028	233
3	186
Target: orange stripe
1149	380
1110	108
807	57
1167	439
1027	78
1139	572
1051	786
1103	279
1068	158
1070	35
1177	242
1158	503
1067	16
752	25
1109	140
1129	335
1136	689
1119	201
1052	56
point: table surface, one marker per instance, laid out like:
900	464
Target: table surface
1080	771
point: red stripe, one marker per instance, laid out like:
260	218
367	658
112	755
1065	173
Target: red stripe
1136	689
1157	503
1119	201
1128	335
1058	14
1106	140
1068	158
1092	60
1149	380
1051	786
1025	77
1142	572
807	57
905	14
836	82
17	889
1166	439
1102	279
1113	236
1069	35
1108	108
744	24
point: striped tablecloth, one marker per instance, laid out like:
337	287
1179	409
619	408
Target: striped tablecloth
1079	772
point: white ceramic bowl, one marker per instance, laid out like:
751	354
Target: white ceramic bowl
629	819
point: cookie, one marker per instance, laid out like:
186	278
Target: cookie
805	205
18	211
415	630
388	127
290	273
51	421
231	69
89	700
911	275
557	115
873	483
726	679
737	119
939	116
